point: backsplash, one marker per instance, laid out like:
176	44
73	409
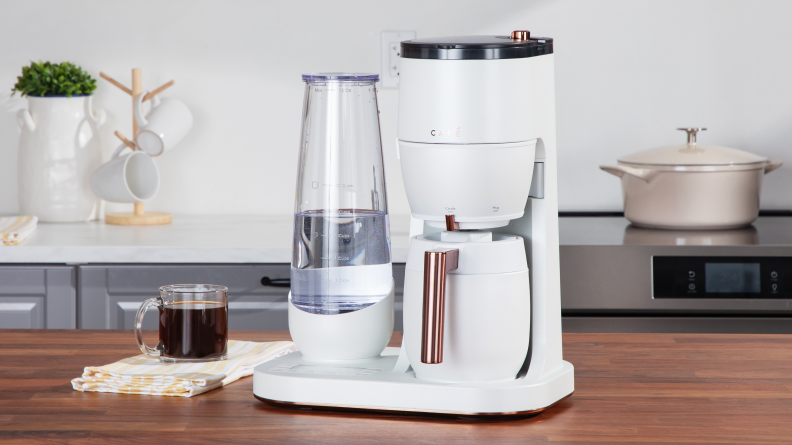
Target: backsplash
627	74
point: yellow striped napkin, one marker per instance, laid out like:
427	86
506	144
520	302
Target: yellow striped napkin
143	374
15	229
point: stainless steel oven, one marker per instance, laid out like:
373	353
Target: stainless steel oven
616	277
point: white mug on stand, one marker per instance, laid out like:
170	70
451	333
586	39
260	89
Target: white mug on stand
133	177
167	123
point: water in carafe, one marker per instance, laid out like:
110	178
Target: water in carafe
341	258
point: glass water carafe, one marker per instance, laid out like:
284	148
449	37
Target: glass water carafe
341	260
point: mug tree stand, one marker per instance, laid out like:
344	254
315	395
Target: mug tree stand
138	217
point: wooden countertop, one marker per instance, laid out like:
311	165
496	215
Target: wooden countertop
630	388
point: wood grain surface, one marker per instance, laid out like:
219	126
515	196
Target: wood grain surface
630	388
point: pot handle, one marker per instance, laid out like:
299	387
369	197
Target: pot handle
621	170
25	120
772	165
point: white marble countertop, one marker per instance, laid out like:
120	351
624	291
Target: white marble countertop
189	239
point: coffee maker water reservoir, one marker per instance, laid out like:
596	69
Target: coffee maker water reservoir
341	253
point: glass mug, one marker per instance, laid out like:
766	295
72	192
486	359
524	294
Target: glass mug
193	323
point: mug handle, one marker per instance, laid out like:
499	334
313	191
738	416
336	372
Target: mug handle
141	121
118	150
139	326
138	108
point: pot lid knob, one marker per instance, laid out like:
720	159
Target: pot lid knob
691	132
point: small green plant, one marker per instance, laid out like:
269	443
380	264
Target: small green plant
51	79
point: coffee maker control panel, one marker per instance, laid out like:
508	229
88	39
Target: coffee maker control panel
721	277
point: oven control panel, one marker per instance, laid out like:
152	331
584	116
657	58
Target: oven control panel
721	277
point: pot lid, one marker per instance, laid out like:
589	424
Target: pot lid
692	154
517	45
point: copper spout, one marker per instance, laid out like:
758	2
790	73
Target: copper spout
451	225
437	263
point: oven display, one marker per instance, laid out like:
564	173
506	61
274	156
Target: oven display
721	277
731	278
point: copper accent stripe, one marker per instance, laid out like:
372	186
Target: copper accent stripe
437	263
451	224
407	411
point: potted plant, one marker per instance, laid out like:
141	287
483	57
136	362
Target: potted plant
59	146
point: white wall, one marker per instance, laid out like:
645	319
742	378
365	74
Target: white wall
628	73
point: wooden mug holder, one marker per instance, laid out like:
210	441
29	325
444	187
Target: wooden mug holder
138	217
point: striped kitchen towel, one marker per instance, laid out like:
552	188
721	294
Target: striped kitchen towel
15	229
143	374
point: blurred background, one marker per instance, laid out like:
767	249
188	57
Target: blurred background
628	72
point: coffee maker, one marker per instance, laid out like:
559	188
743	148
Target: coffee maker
482	310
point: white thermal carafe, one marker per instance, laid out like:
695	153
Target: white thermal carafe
486	309
482	312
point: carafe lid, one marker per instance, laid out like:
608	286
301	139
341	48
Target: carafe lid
323	77
692	154
518	45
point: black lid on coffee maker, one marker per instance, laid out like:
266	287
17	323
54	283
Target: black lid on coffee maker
518	45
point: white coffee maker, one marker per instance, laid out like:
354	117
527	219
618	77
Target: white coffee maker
482	310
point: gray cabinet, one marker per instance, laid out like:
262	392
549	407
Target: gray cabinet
37	297
110	295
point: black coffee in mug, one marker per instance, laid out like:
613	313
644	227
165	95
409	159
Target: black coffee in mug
193	329
193	323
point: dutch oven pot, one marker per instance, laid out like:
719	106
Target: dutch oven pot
691	186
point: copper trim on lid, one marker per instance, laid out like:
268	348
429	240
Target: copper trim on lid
437	263
521	35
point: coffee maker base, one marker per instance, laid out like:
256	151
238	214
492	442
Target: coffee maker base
405	412
379	384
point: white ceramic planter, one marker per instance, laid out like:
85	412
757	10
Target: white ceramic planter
58	149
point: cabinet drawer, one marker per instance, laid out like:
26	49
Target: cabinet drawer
37	297
111	294
23	281
22	315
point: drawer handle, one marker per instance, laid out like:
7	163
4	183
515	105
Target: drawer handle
276	282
